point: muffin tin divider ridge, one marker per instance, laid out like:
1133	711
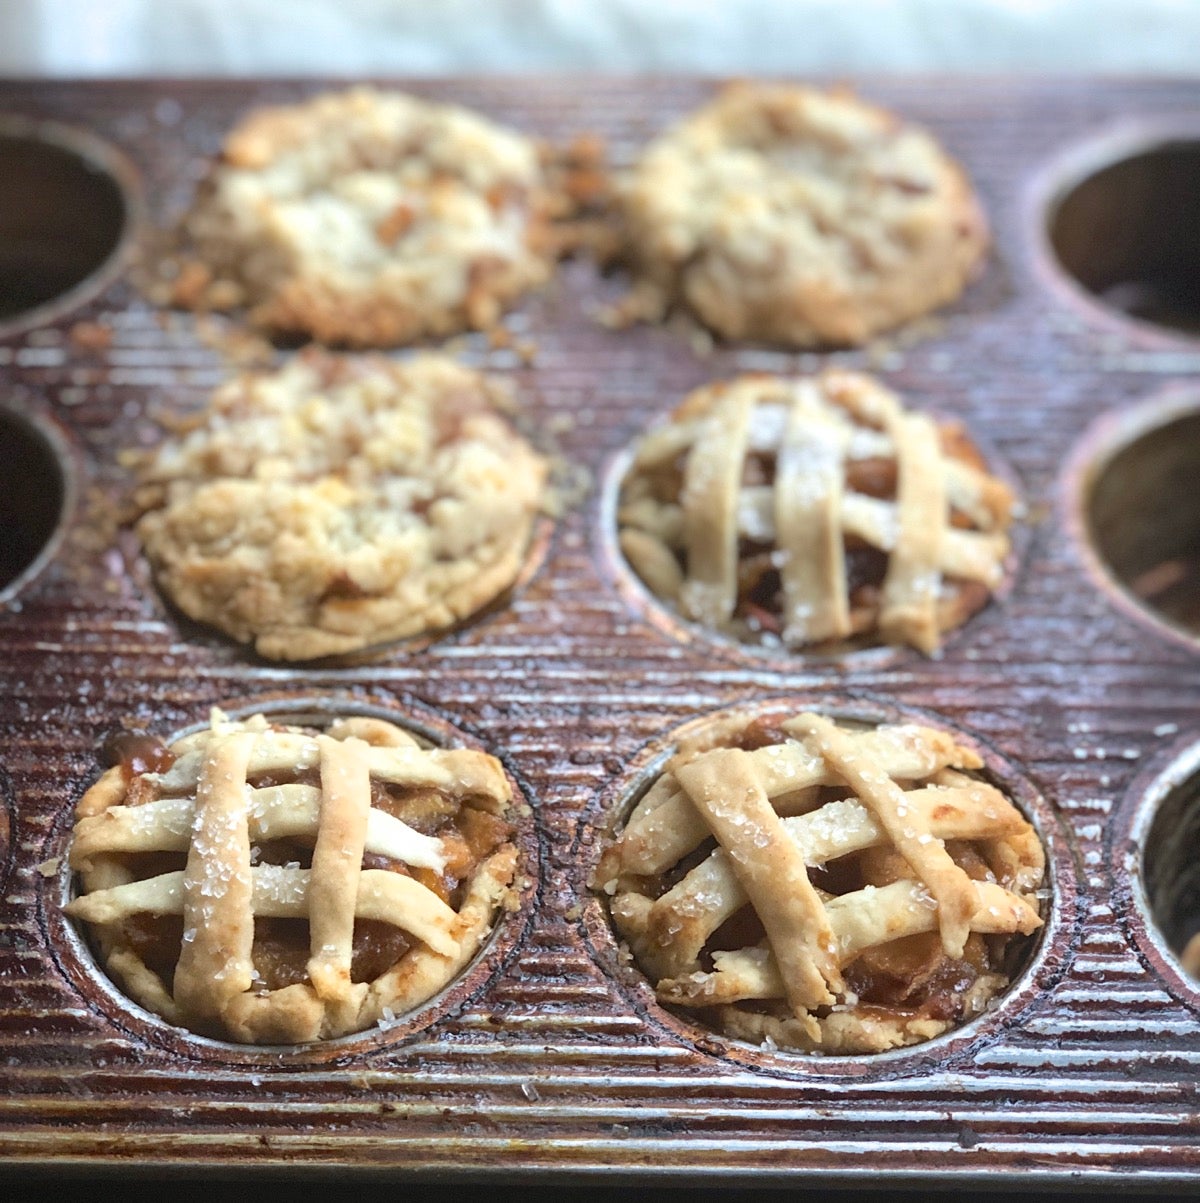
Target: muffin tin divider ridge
550	1064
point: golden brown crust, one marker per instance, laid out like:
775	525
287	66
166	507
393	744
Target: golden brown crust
786	214
341	503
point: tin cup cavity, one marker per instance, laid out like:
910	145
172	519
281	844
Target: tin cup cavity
1136	510
1156	871
66	210
33	501
1123	224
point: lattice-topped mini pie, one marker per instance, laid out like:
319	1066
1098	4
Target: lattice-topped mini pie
370	218
824	888
280	884
341	502
813	511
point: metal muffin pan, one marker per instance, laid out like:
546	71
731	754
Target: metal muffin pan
550	1060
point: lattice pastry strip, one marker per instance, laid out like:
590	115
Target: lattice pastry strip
333	891
761	505
807	507
908	613
918	851
205	805
215	965
723	787
709	519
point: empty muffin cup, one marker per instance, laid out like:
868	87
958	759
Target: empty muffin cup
1156	872
1128	230
32	503
64	213
1141	514
1172	872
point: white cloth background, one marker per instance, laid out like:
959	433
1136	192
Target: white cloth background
422	37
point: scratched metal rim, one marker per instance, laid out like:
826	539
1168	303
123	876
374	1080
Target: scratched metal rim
1107	437
1069	168
101	158
1046	959
864	657
1177	767
59	450
99	994
7	819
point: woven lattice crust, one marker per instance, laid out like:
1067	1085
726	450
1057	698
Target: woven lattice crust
276	884
824	888
814	511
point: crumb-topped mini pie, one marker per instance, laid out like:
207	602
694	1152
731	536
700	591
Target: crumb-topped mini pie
278	884
825	888
369	218
811	511
788	214
341	502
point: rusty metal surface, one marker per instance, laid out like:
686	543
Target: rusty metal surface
548	1061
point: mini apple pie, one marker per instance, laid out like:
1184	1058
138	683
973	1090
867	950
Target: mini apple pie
369	218
340	503
800	217
814	511
278	884
823	888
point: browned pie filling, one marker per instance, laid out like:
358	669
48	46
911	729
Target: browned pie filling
146	899
859	954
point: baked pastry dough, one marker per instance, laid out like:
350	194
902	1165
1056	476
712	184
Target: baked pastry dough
813	511
369	218
819	887
279	884
340	502
791	215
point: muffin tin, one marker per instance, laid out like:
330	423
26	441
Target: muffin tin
550	1058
